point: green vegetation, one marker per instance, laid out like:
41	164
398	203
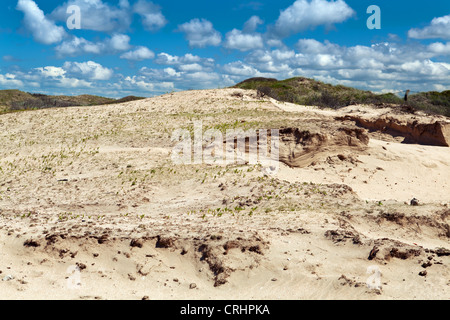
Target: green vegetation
16	100
311	92
305	91
433	102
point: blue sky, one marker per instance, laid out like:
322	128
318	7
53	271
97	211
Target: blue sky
146	48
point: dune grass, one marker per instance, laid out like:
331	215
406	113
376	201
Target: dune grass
306	91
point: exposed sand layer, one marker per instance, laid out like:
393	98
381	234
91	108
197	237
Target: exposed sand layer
92	206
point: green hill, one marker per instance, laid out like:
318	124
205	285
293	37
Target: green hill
311	92
306	91
434	102
16	100
9	97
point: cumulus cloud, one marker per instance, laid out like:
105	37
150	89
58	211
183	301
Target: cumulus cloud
52	72
139	54
381	67
89	69
239	40
118	42
165	74
438	28
193	67
184	71
240	69
97	15
202	77
252	24
200	33
179	65
42	28
247	39
73	83
305	14
57	76
426	69
79	46
152	17
313	46
145	84
275	43
440	48
10	81
177	61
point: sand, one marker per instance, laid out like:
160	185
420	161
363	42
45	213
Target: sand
92	207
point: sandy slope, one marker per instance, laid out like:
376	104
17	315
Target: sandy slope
92	207
389	171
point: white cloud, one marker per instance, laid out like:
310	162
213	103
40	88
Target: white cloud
427	69
139	54
304	14
172	72
10	81
240	69
252	24
440	48
118	42
181	68
275	61
192	67
282	55
390	66
238	40
57	76
73	83
166	74
188	71
313	46
203	76
167	59
152	18
142	83
247	39
274	43
200	33
188	61
438	28
89	69
97	15
43	29
79	46
52	72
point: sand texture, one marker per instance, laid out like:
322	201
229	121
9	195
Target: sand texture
93	207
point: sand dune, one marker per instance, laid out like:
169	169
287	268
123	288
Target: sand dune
92	206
